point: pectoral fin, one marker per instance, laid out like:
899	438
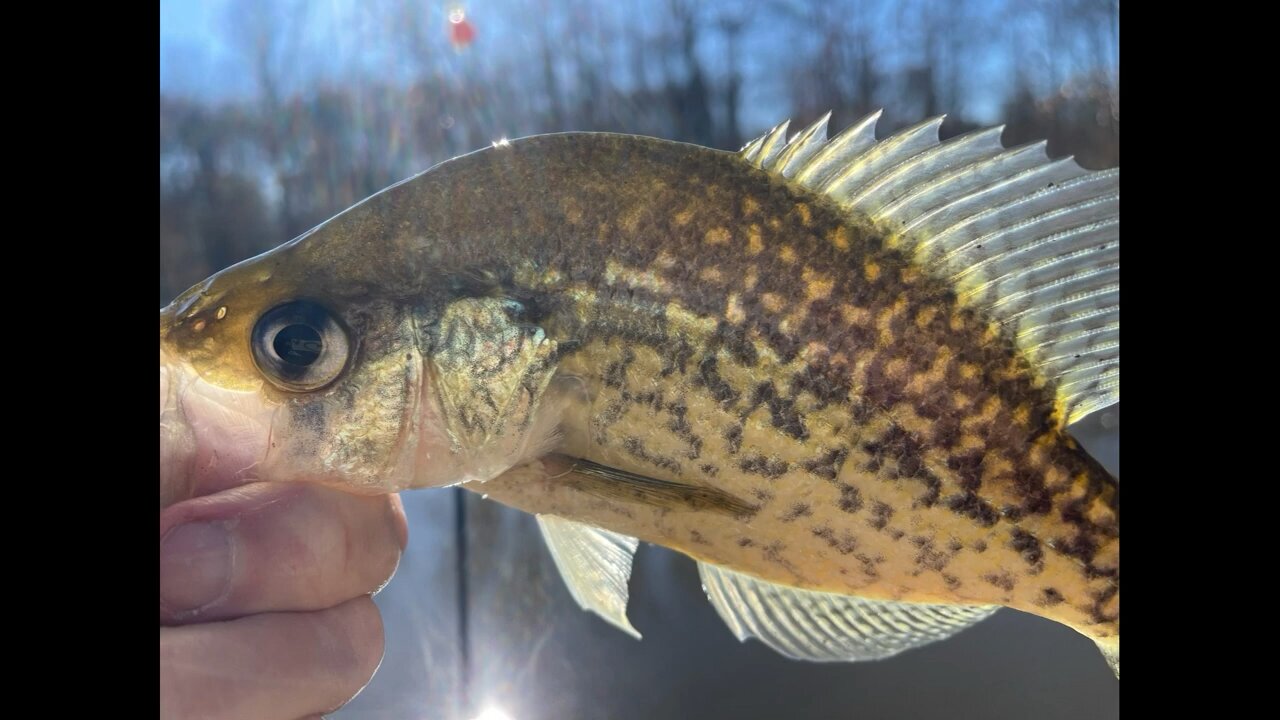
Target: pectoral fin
614	484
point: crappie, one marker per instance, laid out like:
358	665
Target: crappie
838	373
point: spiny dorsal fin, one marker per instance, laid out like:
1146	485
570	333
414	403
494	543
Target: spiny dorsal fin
595	565
826	627
1032	241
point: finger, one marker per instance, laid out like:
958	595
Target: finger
270	547
275	665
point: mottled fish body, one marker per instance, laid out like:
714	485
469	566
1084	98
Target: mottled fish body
837	373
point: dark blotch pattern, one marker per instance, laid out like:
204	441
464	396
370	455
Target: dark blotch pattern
869	564
827	466
845	544
797	510
930	558
827	383
906	450
679	425
968	469
635	447
760	465
973	507
1002	580
782	411
733	436
850	498
1050	597
1028	546
709	377
881	513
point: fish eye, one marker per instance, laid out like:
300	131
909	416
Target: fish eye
300	346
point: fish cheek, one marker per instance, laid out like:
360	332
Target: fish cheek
489	372
359	433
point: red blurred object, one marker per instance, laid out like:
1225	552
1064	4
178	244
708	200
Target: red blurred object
461	32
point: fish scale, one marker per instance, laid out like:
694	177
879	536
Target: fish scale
744	357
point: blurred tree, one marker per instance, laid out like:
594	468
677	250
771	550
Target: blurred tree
210	215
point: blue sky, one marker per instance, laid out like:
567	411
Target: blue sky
201	55
193	58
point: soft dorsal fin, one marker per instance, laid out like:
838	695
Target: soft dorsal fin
826	627
1035	242
595	565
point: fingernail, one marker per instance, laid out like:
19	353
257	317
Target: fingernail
195	566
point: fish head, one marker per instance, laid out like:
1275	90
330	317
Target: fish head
284	367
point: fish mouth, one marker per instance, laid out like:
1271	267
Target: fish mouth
210	438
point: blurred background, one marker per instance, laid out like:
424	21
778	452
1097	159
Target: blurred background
277	114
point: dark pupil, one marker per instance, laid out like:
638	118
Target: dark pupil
298	345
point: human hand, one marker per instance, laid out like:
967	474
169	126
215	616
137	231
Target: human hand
264	599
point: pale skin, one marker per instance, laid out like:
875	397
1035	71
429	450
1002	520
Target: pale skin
265	589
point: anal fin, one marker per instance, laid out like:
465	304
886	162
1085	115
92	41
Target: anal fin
828	627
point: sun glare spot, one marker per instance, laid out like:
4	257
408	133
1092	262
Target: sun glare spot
493	712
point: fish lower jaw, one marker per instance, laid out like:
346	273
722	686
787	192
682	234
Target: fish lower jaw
210	438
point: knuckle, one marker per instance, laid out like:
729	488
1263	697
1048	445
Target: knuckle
359	642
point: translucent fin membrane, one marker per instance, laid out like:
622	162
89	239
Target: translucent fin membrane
595	565
826	627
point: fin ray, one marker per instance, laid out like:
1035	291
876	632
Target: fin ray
801	148
881	157
595	565
844	148
773	144
962	151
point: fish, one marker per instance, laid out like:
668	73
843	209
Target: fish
838	372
